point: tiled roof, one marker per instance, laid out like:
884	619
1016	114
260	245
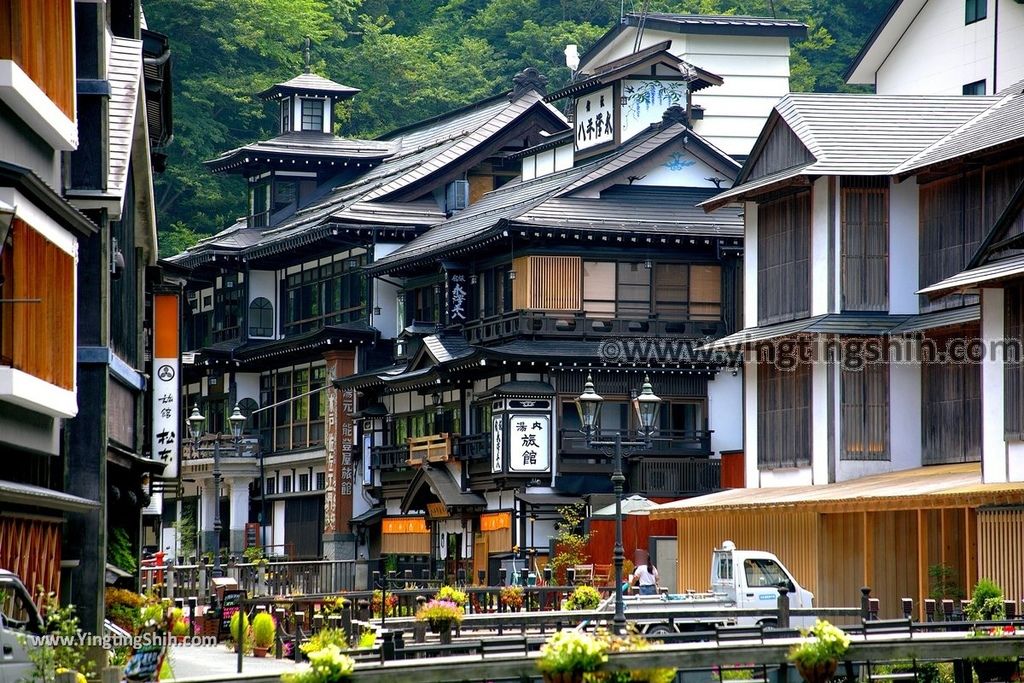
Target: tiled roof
447	347
309	84
725	20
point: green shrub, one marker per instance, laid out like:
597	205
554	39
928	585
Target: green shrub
986	602
263	630
367	639
240	630
571	651
830	643
324	637
584	597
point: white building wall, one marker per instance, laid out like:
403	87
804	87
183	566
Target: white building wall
905	415
994	466
820	267
904	245
263	283
938	54
749	265
278	531
681	169
385	295
820	408
725	392
751	475
247	385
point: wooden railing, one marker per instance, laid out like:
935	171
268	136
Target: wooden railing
248	447
390	457
537	324
473	448
433	448
691	442
674	476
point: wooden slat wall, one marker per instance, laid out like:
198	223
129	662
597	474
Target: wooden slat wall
1001	549
894	559
783	258
1013	372
782	150
791	536
865	412
636	534
950	409
521	285
952	226
555	283
865	244
41	271
783	415
405	544
31	549
1001	181
841	564
37	36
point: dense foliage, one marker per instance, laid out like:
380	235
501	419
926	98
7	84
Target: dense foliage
411	58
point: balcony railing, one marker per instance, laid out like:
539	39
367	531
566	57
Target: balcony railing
536	324
473	448
390	457
432	448
248	447
673	477
685	442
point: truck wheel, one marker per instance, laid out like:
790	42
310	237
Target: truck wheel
768	623
660	630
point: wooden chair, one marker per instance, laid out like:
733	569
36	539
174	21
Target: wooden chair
602	574
584	574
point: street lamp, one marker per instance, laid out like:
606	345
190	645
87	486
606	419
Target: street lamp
646	406
195	427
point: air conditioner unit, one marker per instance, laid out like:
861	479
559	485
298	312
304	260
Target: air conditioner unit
457	196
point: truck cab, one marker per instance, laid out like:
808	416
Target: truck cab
19	620
751	578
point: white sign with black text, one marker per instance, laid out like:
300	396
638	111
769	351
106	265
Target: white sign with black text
166	440
529	447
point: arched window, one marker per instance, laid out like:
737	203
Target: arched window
246	406
261	318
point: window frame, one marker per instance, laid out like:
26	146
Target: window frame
970	89
261	329
310	117
864	423
975	11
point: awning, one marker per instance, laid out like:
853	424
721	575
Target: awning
990	273
853	324
368	518
935	319
548	499
430	484
772	181
27	494
940	486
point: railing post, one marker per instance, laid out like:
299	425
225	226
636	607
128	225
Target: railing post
908	607
296	653
865	595
278	640
346	619
783	618
387	646
873	609
192	604
446	633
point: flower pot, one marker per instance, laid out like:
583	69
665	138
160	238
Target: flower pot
821	672
439	625
996	670
563	677
259	651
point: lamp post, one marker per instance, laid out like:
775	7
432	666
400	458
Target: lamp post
646	406
195	427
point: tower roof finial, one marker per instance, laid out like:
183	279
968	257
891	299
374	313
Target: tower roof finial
305	55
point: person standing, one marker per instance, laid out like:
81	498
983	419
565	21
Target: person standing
646	578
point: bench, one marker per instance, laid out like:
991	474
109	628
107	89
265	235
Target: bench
890	671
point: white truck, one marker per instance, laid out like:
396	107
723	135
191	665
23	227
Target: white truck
19	619
745	579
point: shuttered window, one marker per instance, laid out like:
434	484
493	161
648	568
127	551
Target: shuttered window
783	414
865	241
1013	384
865	410
951	406
951	230
783	264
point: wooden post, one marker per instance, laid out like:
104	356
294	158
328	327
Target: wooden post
66	677
922	560
346	619
296	653
865	603
278	641
111	674
783	618
446	633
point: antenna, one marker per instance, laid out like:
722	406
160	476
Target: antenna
641	23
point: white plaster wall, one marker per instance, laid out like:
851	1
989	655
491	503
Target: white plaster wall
904	243
385	295
790	476
247	385
820	270
905	415
725	392
680	169
529	168
819	421
277	533
749	265
938	54
994	467
1015	461
751	474
263	283
545	163
564	157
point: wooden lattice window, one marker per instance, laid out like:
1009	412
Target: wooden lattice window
1013	379
865	410
951	403
865	244
783	259
783	411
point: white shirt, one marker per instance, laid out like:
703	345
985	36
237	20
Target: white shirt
644	577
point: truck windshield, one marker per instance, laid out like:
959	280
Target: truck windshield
15	610
764	573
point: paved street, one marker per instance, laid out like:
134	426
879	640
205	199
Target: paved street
193	662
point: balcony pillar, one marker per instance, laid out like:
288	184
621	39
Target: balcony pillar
207	513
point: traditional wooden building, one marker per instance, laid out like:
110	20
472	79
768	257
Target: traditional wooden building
865	415
79	234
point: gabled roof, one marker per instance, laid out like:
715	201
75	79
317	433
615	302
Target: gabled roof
699	24
882	40
305	144
652	56
309	84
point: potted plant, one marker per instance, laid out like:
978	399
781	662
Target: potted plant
240	630
440	614
986	602
263	629
817	657
511	598
378	600
568	655
632	642
179	628
451	594
995	668
584	597
327	665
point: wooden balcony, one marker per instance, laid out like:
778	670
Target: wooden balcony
577	325
390	457
668	442
433	448
673	477
475	448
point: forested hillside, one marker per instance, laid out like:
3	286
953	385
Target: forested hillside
411	58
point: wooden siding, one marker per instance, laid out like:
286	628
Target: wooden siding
865	412
550	283
1001	181
40	271
37	35
498	541
950	407
1001	549
479	185
405	544
30	547
733	475
1013	373
783	414
781	150
865	244
783	259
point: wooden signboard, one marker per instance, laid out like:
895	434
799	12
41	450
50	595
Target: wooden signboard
231	604
146	660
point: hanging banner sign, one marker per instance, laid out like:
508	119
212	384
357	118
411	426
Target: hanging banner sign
496	444
404	525
165	440
528	443
493	521
457	300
